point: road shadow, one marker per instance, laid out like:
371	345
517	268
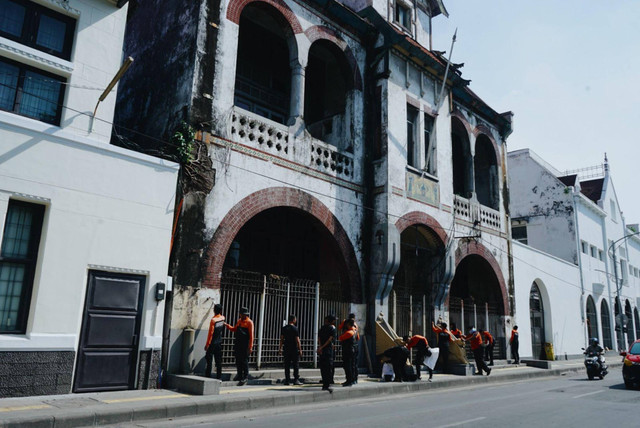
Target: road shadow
621	387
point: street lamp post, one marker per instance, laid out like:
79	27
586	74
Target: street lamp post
612	250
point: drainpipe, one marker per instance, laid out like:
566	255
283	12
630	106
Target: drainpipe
576	195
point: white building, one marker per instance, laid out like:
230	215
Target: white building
571	226
85	227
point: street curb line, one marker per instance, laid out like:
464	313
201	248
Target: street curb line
202	405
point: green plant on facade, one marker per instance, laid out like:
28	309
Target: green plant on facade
183	140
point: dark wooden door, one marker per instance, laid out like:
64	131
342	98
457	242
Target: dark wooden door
108	349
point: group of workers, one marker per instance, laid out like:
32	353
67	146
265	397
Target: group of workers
290	348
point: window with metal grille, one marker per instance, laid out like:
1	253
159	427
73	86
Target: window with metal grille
38	27
18	255
29	92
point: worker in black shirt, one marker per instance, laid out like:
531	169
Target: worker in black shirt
398	356
326	336
290	342
214	342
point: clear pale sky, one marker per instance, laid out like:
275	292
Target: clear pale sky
570	72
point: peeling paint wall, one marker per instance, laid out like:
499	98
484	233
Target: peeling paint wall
544	203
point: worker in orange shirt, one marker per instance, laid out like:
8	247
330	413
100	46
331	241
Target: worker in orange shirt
444	339
488	349
515	344
422	347
214	342
456	331
356	346
243	345
348	340
475	340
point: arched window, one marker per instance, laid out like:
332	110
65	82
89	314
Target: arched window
536	312
592	319
607	341
326	86
486	173
629	326
462	162
263	73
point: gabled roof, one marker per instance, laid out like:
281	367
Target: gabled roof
437	8
569	180
592	189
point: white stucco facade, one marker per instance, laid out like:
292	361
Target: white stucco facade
105	208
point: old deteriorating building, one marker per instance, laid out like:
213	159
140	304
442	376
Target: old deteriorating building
84	225
575	259
331	170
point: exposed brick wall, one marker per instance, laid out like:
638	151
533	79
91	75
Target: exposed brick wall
274	197
23	374
320	32
235	7
417	217
467	248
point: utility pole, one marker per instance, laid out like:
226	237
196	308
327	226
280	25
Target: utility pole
612	250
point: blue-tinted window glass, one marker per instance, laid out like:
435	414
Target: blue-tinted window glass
11	17
51	33
40	97
17	232
12	276
8	85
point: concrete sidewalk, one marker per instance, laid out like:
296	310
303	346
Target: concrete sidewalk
97	409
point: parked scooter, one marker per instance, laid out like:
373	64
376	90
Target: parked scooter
594	360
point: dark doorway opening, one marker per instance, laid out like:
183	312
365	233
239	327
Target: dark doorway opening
536	314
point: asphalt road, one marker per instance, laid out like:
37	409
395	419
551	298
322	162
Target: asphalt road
565	401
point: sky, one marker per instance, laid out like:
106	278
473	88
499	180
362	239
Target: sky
569	70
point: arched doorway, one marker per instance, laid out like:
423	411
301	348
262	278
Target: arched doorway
266	45
486	173
536	315
617	312
421	256
462	160
607	340
592	319
476	299
637	320
629	323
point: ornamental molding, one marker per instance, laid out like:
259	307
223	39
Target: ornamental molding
34	57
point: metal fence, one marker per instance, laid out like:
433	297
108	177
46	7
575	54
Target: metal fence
270	299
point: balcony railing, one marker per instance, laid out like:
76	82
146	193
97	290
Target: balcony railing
274	138
471	212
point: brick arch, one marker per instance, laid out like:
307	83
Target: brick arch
417	217
235	8
475	248
320	32
457	114
484	130
276	197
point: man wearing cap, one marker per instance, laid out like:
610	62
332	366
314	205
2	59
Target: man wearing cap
475	340
243	345
326	336
214	342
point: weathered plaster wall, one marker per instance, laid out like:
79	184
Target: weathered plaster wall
156	92
538	197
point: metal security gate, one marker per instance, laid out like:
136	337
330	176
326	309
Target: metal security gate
270	299
466	314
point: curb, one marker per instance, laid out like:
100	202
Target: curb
204	405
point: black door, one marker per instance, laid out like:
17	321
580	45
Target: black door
108	350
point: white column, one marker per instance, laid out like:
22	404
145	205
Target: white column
296	106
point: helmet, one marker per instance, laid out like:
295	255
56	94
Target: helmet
594	340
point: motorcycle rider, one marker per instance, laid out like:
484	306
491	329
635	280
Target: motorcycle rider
595	349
